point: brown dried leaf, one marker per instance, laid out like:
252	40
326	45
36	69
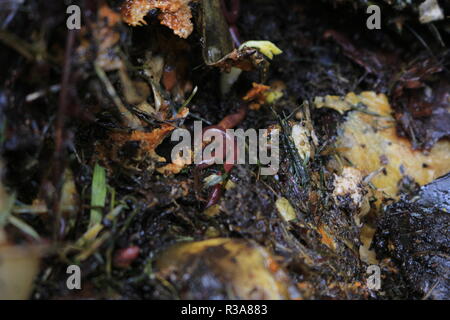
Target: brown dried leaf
422	104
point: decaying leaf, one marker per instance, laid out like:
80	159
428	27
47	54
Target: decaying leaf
338	103
422	103
374	62
369	141
135	92
256	95
246	59
149	141
224	268
19	267
174	14
19	264
327	238
178	164
105	36
308	226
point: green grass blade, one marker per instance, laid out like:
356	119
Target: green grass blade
98	195
24	227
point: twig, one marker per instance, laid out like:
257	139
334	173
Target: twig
129	119
14	42
58	164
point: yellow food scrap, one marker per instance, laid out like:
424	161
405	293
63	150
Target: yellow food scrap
267	48
368	102
365	253
368	139
212	211
285	209
349	184
261	94
247	270
276	92
179	163
273	95
230	185
333	102
301	136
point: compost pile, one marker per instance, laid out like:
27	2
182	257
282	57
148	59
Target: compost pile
88	177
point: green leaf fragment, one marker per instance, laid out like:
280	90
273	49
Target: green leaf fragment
98	195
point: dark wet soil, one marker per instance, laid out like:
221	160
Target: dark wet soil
163	210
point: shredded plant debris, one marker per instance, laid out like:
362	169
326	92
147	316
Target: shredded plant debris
343	132
174	14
